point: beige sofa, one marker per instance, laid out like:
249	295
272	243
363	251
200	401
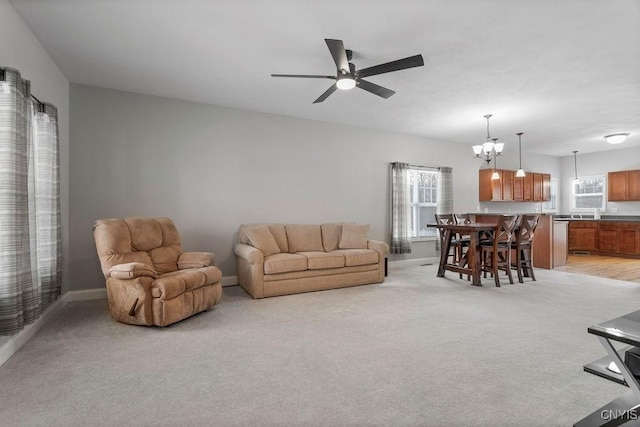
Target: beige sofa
281	259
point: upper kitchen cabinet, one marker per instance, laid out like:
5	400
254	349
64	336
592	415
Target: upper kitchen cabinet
534	187
624	186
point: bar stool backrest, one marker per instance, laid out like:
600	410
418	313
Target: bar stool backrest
528	225
505	230
463	218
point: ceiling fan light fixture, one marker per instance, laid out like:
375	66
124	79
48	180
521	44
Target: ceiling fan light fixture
616	138
346	82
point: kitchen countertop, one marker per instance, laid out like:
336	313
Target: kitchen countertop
604	218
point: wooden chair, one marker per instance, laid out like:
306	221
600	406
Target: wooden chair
496	253
523	246
448	219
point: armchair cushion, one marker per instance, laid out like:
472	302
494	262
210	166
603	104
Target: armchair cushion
354	236
131	270
261	238
195	260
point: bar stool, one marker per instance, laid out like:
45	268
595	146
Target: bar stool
523	246
496	253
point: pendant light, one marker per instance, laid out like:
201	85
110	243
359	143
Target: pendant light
495	174
490	148
520	173
575	166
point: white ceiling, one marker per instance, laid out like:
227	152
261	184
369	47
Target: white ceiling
565	73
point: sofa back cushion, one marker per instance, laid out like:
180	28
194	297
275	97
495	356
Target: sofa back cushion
261	238
331	233
304	238
354	236
277	231
151	241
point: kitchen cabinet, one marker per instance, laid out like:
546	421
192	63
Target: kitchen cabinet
605	237
533	187
623	186
583	236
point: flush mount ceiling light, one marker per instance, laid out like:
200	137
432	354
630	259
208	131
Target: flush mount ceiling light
490	149
616	138
520	173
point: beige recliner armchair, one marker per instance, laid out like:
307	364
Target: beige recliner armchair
150	280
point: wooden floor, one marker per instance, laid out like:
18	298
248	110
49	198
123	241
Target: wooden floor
604	266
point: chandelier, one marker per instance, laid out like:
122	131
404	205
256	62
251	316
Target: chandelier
490	149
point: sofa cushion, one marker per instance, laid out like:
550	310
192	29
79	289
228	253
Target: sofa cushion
322	260
331	233
353	257
304	238
283	263
354	236
261	238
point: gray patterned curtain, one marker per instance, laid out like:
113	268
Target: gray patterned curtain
400	209
444	205
29	205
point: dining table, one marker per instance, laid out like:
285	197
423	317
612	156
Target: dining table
470	263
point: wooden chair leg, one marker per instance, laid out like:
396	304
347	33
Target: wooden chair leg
519	259
530	267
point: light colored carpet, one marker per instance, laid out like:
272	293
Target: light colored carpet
414	351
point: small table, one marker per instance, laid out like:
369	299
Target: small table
624	329
472	259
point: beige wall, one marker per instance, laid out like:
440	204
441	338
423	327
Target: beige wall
20	49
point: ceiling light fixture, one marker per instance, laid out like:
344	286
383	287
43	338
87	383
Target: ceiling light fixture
490	149
520	173
575	166
616	138
346	82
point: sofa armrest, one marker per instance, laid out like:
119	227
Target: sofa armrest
249	253
196	260
381	247
131	270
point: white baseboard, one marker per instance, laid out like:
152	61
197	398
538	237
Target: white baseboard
230	281
86	294
415	261
9	345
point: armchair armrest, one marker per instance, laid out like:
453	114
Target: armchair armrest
195	260
381	247
131	270
249	253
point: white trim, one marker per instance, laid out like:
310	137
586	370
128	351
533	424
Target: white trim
229	281
86	294
11	345
414	261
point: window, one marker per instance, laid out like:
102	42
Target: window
587	193
552	204
423	186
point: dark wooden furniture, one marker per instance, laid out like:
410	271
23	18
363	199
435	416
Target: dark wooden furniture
614	238
471	263
624	329
496	253
455	255
624	186
533	187
523	246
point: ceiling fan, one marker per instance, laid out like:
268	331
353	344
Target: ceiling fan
347	77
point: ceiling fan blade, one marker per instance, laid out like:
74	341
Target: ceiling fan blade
374	88
326	94
400	64
339	54
304	76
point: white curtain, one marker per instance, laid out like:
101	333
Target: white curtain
400	209
30	236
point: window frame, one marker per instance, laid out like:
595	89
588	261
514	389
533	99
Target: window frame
573	207
416	205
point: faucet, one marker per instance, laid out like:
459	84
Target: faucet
576	216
